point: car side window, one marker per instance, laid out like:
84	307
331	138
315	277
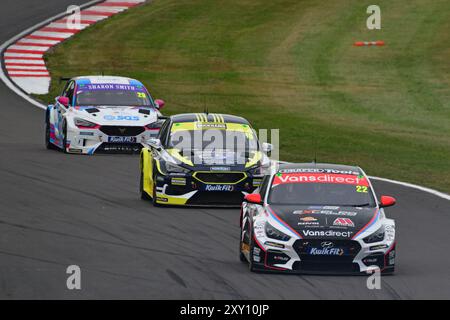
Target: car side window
66	88
264	185
163	132
70	90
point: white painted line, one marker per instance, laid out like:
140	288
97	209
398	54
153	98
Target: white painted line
26	72
107	9
36	62
64	25
38	85
91	17
40	68
64	35
22	55
28	48
12	84
404	184
415	186
38	41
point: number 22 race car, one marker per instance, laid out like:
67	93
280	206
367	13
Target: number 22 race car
96	114
317	218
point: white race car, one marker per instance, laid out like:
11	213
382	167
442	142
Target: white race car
317	218
98	114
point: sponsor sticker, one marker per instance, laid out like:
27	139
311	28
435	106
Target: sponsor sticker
219	187
348	179
325	251
327	233
121	139
343	222
121	118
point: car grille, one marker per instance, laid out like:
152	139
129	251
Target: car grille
325	263
125	148
220	177
216	198
126	131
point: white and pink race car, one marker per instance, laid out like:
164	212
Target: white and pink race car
102	114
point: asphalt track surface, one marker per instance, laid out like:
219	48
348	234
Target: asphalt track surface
57	210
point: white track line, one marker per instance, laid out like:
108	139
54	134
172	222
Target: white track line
415	186
10	85
404	184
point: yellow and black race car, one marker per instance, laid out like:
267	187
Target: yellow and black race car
203	159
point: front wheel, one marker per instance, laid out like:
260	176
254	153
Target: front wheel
48	144
64	140
144	195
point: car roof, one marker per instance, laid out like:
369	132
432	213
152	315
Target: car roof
208	117
106	79
325	166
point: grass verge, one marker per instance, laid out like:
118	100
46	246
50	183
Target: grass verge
290	64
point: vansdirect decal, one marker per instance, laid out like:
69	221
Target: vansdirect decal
328	233
350	179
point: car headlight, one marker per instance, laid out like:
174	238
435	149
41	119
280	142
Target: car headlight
274	233
172	167
377	236
84	123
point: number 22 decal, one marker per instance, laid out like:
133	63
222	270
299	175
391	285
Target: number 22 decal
361	189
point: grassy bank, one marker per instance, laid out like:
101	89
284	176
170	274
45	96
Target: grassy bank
290	64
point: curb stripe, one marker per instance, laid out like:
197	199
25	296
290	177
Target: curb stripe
98	13
62	30
44	38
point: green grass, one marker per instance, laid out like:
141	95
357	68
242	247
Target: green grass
290	64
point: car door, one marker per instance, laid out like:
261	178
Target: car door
61	109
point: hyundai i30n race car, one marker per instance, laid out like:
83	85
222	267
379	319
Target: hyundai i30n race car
203	159
317	218
97	114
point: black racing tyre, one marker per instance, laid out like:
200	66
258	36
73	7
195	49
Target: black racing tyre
242	257
64	142
251	267
144	195
48	144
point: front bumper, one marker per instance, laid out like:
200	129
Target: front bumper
357	257
205	188
107	139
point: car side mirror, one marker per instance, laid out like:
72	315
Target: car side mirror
267	147
253	198
154	143
387	201
64	101
159	103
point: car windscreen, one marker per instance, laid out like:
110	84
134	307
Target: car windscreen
195	136
112	95
321	189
